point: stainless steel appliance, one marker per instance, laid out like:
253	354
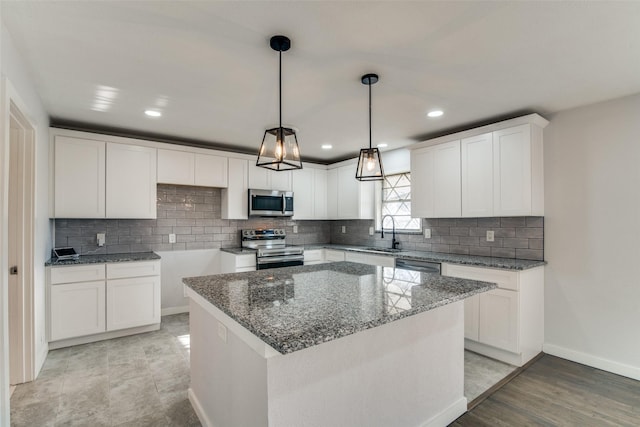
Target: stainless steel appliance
271	248
417	265
270	203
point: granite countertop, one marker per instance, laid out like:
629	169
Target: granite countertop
105	258
479	261
293	308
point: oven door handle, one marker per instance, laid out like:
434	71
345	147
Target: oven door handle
275	259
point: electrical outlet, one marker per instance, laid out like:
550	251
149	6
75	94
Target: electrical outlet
222	332
490	237
100	238
427	233
295	229
370	231
344	229
172	238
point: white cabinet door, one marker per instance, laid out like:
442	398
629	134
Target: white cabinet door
77	309
133	302
210	171
512	171
131	181
332	194
348	197
175	167
471	317
235	198
499	319
447	193
303	194
314	256
319	193
259	178
422	183
477	175
79	178
281	181
435	174
331	255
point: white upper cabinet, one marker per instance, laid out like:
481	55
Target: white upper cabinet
266	179
355	199
310	193
185	168
477	175
332	194
235	197
131	181
176	167
517	171
435	175
79	178
319	193
499	172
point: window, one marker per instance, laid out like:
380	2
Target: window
395	201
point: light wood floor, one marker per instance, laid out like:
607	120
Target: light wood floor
557	392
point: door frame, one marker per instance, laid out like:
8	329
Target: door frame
12	105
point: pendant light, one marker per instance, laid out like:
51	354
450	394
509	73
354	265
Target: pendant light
369	162
279	150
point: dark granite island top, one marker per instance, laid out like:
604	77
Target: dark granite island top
295	308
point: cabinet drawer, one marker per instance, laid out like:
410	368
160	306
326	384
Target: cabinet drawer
313	255
503	278
332	255
245	261
77	273
133	269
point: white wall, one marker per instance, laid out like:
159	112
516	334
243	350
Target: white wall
179	264
15	72
592	235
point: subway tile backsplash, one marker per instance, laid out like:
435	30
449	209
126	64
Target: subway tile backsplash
193	214
514	237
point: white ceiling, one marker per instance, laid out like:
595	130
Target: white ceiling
208	66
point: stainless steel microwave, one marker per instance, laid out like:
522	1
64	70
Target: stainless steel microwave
270	203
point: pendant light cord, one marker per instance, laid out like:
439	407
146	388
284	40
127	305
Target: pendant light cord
369	113
280	88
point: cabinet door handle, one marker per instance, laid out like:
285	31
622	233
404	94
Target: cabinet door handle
13	270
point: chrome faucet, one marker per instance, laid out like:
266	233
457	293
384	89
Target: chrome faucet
394	242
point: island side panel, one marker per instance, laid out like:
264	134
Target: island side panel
228	379
405	373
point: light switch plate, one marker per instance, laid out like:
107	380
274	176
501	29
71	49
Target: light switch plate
295	229
100	238
490	237
370	231
172	238
344	229
427	233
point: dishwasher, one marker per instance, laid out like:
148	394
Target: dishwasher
417	265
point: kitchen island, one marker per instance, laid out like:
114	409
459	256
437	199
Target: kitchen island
333	344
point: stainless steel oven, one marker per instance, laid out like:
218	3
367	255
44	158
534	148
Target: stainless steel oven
271	248
270	203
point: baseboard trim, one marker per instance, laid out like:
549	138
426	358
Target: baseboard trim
174	310
448	415
197	407
617	368
42	357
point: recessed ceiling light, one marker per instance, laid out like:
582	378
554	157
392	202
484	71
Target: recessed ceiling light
382	145
435	113
327	146
153	113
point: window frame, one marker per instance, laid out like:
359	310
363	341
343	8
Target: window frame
378	205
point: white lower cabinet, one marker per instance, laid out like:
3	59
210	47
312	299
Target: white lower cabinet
237	263
77	309
366	258
506	323
133	302
332	255
314	256
87	301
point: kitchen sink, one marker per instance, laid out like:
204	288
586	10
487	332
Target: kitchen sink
382	250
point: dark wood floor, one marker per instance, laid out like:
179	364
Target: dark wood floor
556	392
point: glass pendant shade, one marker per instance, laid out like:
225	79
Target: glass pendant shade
279	150
369	165
369	162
